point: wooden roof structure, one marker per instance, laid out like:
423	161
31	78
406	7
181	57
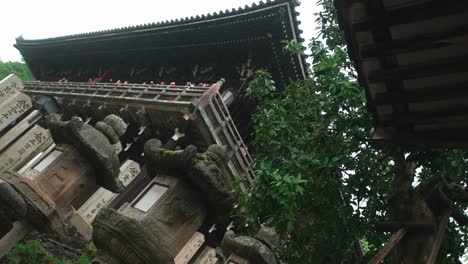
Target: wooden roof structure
159	109
230	43
411	57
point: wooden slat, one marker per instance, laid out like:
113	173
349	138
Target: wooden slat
420	70
388	247
458	114
439	237
414	13
437	93
416	43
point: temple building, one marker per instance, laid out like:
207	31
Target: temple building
411	58
230	44
168	100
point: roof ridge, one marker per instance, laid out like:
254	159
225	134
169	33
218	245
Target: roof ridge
155	25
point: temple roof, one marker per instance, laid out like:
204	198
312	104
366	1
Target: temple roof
251	35
410	56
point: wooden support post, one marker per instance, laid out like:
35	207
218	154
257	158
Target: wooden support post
439	237
388	247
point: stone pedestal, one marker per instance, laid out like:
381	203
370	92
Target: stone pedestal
84	216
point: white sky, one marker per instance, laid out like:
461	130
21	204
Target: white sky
51	18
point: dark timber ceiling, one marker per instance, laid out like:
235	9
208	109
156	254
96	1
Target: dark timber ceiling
412	59
229	44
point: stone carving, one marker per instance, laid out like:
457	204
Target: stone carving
131	235
12	108
204	171
93	143
34	141
256	250
9	86
86	214
12	205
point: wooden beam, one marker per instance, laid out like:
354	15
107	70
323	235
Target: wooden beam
442	116
388	247
439	237
436	93
420	70
415	43
414	13
421	141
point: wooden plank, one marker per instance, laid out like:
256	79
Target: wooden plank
388	247
428	117
439	237
420	70
436	93
413	13
415	43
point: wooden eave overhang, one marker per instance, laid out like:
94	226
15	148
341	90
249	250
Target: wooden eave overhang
264	25
411	58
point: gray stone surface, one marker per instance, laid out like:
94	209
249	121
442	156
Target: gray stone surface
12	108
108	131
116	123
247	247
268	236
12	205
9	86
37	139
91	143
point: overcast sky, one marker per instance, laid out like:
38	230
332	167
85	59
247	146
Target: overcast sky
52	18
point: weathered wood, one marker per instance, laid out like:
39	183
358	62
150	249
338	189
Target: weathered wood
388	247
420	70
413	13
439	237
161	112
436	93
415	43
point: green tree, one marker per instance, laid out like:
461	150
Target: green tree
320	180
20	69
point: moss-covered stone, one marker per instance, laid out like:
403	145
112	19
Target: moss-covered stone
108	131
116	123
93	144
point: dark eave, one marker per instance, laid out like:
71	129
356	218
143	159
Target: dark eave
253	27
411	59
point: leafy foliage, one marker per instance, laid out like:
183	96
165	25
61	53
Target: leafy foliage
291	47
321	182
33	252
18	68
